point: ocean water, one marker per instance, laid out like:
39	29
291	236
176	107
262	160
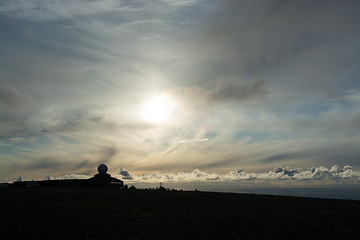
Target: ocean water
331	193
349	192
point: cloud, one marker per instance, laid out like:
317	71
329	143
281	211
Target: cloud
237	91
16	108
10	128
352	96
281	43
14	103
49	10
180	3
252	78
279	174
263	33
45	163
199	100
58	163
80	120
68	176
124	174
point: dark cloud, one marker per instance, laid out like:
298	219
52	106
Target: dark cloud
16	108
49	163
124	174
293	155
73	120
11	128
56	165
82	120
83	164
286	171
252	36
107	153
237	91
328	154
13	102
303	49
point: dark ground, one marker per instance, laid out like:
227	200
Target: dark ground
139	214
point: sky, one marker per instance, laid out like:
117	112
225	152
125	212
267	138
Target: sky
193	90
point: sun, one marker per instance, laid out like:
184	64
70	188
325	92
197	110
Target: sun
158	109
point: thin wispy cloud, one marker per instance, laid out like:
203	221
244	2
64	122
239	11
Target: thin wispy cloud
45	10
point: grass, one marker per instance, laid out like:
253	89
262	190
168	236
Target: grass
47	213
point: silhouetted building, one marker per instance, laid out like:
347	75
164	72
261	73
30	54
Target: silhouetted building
101	179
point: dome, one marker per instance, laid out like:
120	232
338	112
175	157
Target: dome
102	168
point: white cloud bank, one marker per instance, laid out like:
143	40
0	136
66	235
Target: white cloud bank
67	177
279	174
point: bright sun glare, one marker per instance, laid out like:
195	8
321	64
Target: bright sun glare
158	109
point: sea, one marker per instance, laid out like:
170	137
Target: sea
340	191
329	193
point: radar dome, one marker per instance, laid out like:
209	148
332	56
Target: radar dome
102	168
